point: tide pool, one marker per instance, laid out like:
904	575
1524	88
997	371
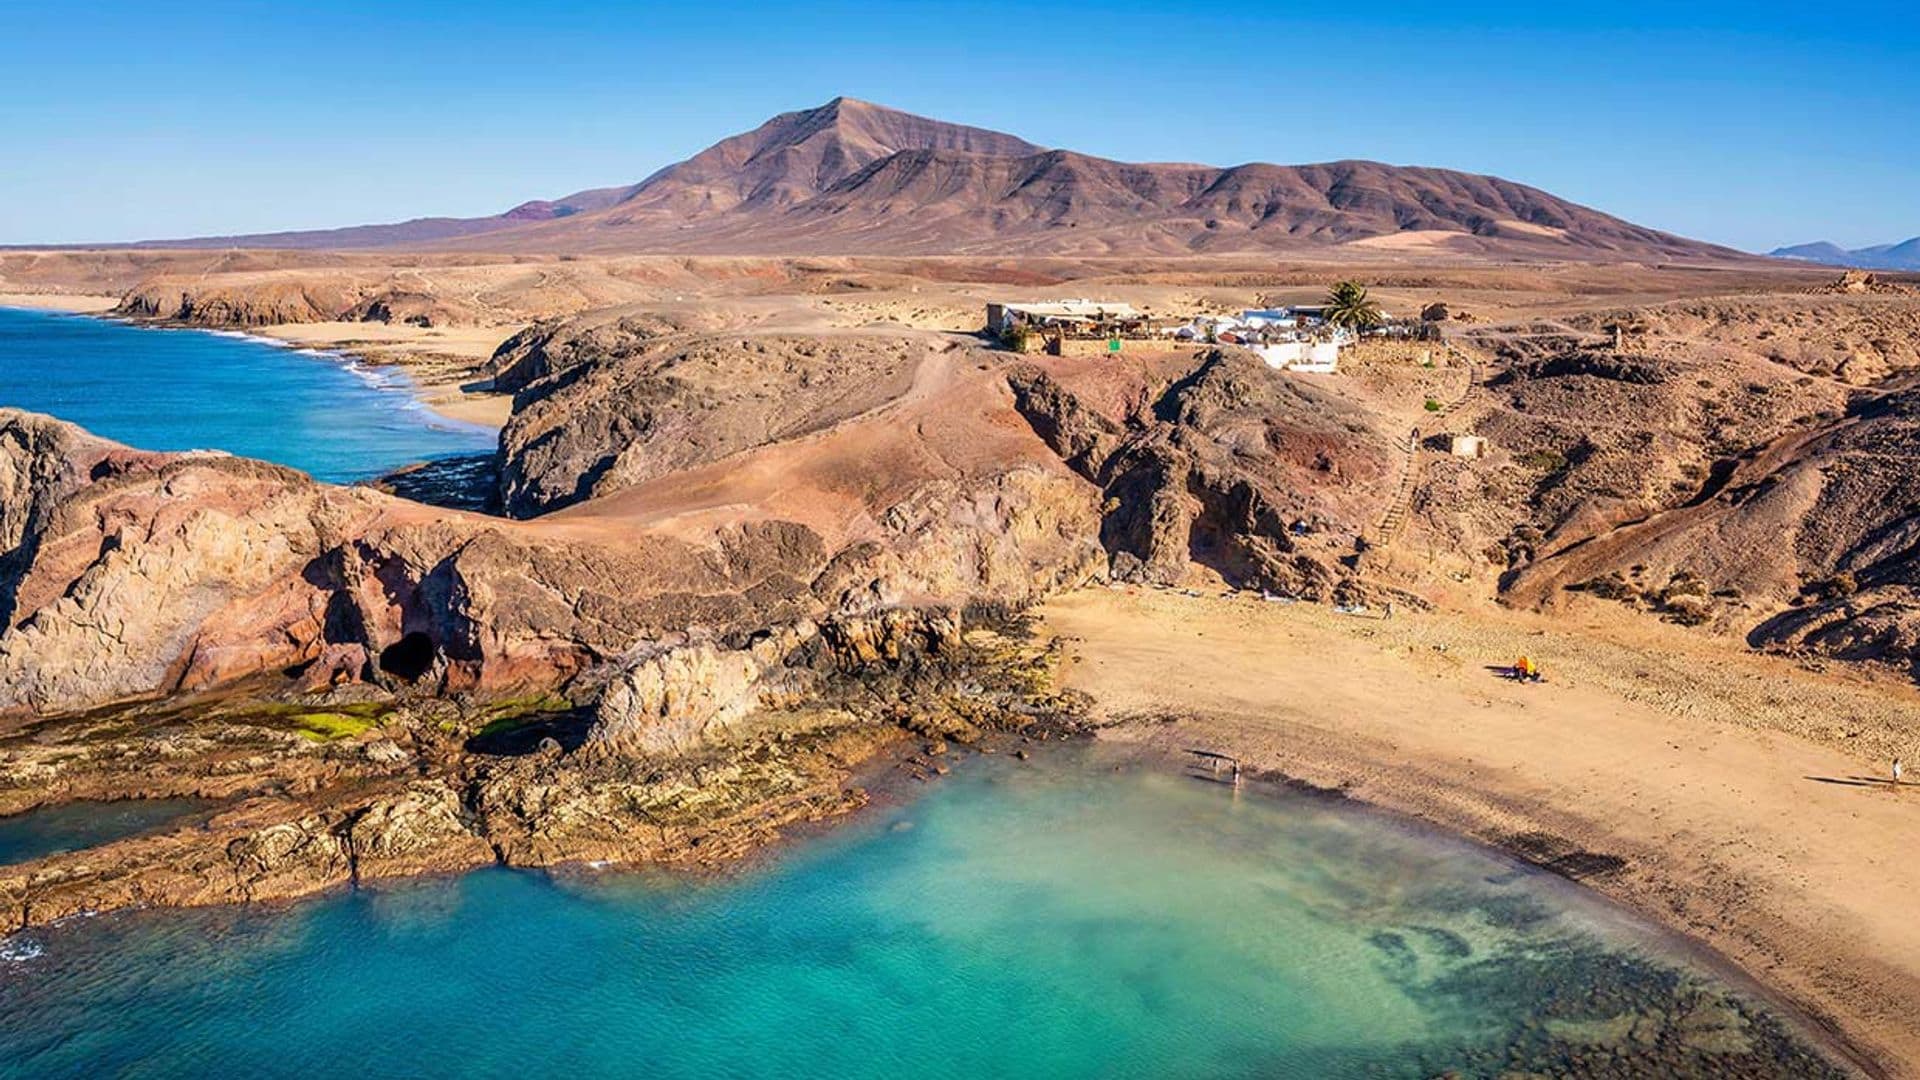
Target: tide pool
1072	916
166	389
71	826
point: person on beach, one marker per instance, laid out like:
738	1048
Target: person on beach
1899	771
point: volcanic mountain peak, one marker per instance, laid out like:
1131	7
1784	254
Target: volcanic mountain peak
851	177
797	155
876	130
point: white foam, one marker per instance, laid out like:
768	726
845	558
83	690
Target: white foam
19	950
375	377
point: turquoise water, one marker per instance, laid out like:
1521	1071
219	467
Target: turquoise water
72	826
1055	918
192	389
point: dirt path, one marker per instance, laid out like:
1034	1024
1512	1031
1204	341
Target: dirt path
1716	780
949	422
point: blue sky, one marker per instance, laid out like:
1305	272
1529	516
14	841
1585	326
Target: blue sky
1748	124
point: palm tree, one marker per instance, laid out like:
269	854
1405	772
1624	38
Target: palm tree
1349	307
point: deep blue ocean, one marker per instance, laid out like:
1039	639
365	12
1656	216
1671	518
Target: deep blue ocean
165	389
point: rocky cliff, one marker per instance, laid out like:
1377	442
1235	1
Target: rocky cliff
136	574
627	410
1264	479
374	687
129	574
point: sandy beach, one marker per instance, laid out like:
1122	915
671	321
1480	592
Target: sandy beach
77	303
443	361
1721	793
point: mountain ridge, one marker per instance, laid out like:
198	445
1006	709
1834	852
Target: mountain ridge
1904	255
850	177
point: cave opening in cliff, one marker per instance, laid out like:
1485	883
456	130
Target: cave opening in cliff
409	658
1216	535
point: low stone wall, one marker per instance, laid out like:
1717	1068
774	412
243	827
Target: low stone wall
1381	352
1104	346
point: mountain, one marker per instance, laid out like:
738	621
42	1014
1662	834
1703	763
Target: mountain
1902	256
851	177
402	234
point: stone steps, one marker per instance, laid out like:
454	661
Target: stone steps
1387	529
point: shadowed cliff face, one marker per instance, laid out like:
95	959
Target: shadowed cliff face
130	574
1258	476
617	409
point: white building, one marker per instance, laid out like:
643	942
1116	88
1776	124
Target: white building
1468	446
1308	357
1275	336
1002	316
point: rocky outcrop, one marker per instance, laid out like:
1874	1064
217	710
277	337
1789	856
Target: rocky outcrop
668	698
612	412
420	791
267	848
553	346
42	461
251	304
122	558
673	698
1256	475
133	574
271	301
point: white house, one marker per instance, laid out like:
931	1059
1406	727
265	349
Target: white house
1308	357
1277	318
1468	446
1273	334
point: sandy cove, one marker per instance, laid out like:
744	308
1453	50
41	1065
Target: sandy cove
72	302
1711	775
442	361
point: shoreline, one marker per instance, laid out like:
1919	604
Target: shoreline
895	777
1696	952
442	368
70	303
1713	866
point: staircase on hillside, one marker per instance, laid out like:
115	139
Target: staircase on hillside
1387	529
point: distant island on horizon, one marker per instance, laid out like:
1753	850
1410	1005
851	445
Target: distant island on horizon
1904	255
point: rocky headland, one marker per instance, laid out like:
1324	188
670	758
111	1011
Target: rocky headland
740	557
733	566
